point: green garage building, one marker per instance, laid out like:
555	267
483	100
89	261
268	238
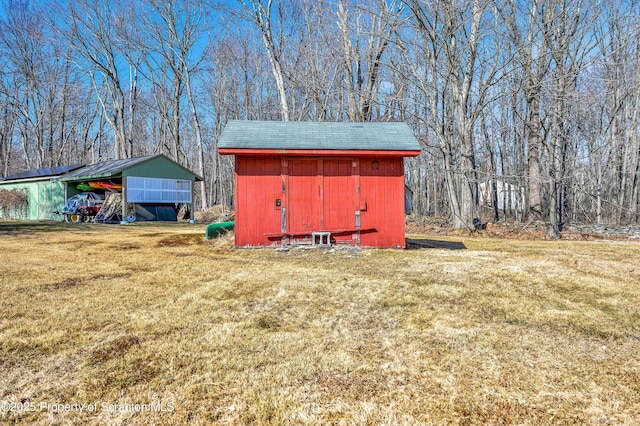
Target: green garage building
146	182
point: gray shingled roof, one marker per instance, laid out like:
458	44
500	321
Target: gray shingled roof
105	169
244	134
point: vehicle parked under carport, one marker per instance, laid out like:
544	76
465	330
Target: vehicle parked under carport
82	207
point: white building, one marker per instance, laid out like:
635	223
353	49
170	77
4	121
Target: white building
510	196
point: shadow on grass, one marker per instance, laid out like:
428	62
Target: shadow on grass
8	227
414	244
17	228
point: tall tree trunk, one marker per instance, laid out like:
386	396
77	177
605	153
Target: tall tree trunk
175	118
133	96
457	218
261	15
199	147
534	144
347	60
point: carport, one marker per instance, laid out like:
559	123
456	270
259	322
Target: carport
148	184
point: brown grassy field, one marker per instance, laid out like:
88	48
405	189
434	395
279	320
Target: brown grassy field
504	332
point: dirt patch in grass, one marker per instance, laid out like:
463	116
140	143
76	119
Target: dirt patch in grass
267	322
113	275
117	346
127	246
502	332
65	283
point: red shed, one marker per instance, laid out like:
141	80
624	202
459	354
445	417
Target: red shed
306	182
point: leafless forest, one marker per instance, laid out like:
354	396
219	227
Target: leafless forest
526	109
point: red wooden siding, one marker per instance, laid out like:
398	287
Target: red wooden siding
258	184
382	189
339	194
304	201
319	194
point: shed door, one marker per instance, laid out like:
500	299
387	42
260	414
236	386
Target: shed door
44	201
339	191
304	200
321	196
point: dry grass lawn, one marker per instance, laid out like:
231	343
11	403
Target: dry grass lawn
505	332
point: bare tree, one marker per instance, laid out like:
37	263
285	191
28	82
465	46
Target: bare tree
259	13
456	88
40	74
523	22
568	39
365	39
7	123
173	38
91	29
314	74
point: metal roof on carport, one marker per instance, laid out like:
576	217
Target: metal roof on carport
158	166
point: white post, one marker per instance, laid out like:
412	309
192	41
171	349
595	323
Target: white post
191	218
123	220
